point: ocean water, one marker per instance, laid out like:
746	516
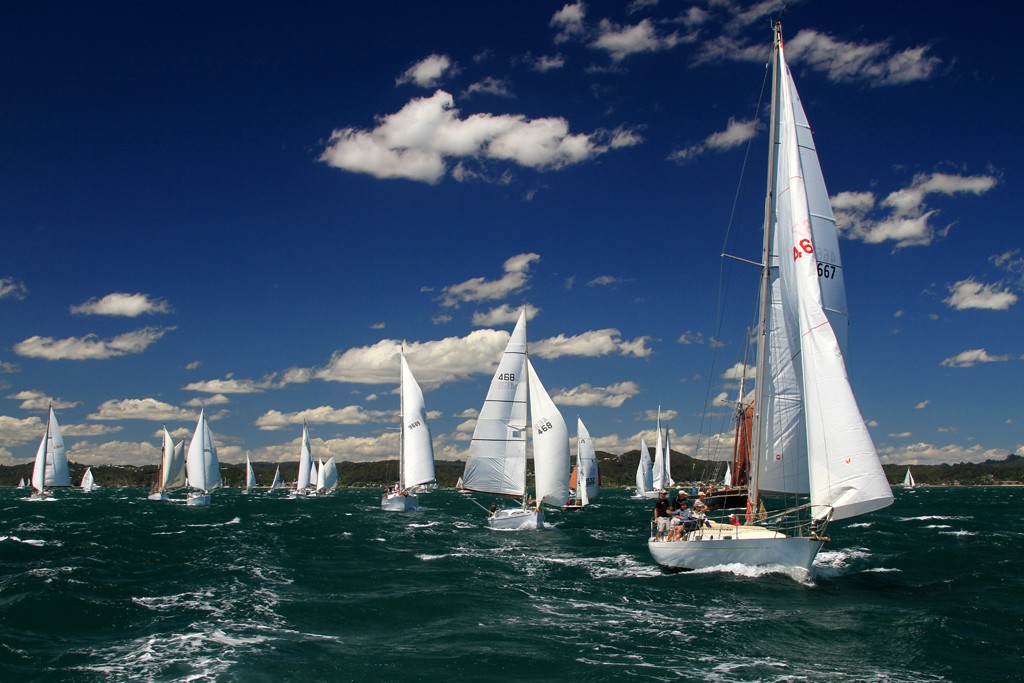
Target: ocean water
108	586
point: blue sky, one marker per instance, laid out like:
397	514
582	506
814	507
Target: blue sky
252	208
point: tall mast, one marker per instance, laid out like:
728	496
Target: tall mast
401	422
766	246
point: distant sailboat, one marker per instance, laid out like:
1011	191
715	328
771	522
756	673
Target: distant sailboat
809	436
645	474
51	465
326	476
497	454
584	481
908	480
88	482
662	460
302	484
277	479
172	468
415	448
250	475
21	483
201	465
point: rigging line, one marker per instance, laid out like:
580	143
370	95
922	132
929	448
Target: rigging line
723	279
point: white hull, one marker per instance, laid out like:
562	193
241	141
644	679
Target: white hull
301	495
646	494
397	502
201	499
516	519
158	496
747	545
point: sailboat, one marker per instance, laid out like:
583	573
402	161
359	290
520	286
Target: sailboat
415	448
302	484
51	465
662	470
908	480
497	454
201	465
250	475
88	481
326	476
645	474
172	468
809	437
21	483
583	482
277	479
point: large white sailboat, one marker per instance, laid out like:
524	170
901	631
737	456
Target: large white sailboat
645	474
497	455
415	448
809	436
302	484
201	465
51	464
172	468
584	482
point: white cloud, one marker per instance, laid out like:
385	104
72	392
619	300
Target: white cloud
489	86
593	343
416	142
349	415
544	63
971	294
503	315
874	63
606	281
141	409
971	357
427	72
922	405
569	22
13	289
736	133
15	432
122	304
515	279
90	347
611	396
37	400
622	41
909	220
931	454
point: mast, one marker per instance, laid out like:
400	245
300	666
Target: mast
401	423
762	321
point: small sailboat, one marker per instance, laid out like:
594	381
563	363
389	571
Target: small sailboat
497	454
51	464
172	468
662	470
326	476
908	480
88	482
415	447
645	474
250	476
809	438
201	465
584	481
277	479
306	467
21	483
459	487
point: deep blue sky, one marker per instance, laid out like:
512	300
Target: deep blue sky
251	206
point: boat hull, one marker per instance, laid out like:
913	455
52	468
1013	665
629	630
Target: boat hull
397	502
158	496
516	519
198	500
747	545
728	499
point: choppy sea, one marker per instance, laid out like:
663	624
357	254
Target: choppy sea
109	586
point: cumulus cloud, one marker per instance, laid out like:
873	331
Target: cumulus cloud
229	385
622	41
606	281
971	357
903	216
141	409
931	454
37	400
569	22
515	279
489	86
15	432
90	347
122	304
971	294
611	396
545	63
12	289
416	142
428	72
872	63
735	134
503	315
349	415
593	343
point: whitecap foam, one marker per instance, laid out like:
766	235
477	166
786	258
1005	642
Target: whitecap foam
961	532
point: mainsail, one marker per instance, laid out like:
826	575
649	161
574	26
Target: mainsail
417	449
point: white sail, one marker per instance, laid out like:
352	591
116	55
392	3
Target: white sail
88	482
908	480
201	464
51	464
21	483
250	475
587	484
497	454
305	461
328	475
727	479
551	461
668	462
320	472
172	463
417	450
845	474
660	481
645	470
277	479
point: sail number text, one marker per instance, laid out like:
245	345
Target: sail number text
543	426
414	425
505	380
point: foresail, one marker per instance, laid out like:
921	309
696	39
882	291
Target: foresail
330	474
277	478
195	462
659	483
845	474
212	463
551	463
497	454
176	470
418	449
250	475
644	471
587	480
305	460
